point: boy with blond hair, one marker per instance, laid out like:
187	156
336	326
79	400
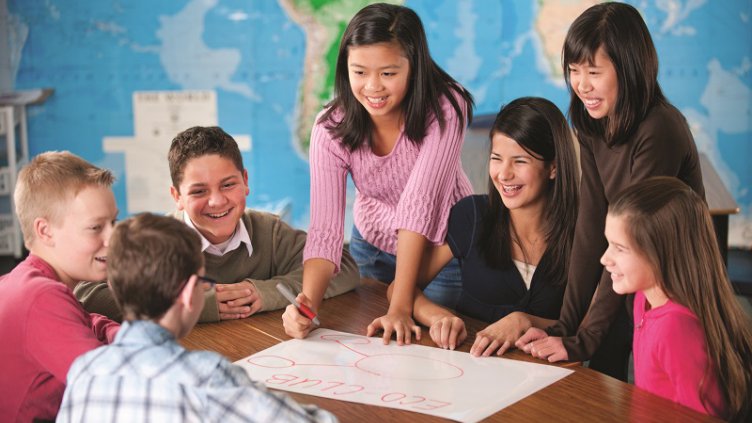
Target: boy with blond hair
67	211
247	251
156	276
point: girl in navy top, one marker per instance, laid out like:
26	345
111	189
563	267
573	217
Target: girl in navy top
513	243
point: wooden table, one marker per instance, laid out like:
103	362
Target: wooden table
585	395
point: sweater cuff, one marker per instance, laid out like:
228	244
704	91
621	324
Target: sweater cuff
425	214
557	329
271	299
210	313
326	246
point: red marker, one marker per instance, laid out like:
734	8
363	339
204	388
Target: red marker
302	308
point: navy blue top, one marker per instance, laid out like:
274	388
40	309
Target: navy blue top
489	293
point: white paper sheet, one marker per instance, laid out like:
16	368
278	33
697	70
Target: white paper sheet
449	384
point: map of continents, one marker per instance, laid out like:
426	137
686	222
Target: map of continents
270	65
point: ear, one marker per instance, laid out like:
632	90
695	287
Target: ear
43	231
175	193
552	172
245	182
186	295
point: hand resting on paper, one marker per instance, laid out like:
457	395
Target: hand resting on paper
448	331
498	337
399	324
237	300
537	343
297	325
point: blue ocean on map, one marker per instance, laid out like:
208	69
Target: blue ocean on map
253	55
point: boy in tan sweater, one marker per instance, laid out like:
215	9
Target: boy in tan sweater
246	251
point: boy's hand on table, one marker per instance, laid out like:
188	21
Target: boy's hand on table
237	300
537	343
297	325
448	331
498	337
401	324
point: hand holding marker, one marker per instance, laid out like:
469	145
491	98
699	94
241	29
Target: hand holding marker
304	310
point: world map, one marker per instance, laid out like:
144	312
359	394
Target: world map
265	69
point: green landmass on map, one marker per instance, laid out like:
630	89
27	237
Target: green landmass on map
324	22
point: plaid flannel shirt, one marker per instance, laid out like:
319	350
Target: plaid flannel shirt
145	375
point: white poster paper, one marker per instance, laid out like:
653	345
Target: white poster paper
449	384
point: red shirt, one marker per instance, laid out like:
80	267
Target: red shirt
43	328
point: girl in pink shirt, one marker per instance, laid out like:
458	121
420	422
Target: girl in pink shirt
692	341
396	126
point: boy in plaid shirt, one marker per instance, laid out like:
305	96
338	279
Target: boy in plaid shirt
155	270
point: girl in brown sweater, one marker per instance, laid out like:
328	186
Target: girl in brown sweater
628	132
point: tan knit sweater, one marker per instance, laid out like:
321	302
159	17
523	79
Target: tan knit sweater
277	257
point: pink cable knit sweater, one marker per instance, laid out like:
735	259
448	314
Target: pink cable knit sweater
412	188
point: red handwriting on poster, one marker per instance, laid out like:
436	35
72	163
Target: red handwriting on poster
338	388
413	367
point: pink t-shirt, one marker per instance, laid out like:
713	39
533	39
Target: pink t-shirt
413	187
43	328
671	358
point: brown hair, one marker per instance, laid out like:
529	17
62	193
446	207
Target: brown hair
149	260
387	23
671	227
539	127
47	182
620	30
200	141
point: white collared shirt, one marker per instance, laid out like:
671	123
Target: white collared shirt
239	236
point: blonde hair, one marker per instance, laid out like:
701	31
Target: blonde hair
671	227
47	182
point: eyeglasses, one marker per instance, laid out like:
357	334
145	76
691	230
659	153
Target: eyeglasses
208	282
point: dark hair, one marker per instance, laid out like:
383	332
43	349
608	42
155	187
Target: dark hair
540	128
386	23
670	226
150	258
200	141
620	30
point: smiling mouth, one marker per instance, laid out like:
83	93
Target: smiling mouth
591	102
376	101
218	215
511	188
102	259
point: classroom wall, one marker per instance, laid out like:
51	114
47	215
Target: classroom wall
128	75
6	70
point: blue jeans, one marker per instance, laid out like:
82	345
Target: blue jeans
444	289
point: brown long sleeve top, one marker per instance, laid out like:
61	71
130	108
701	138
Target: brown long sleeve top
662	145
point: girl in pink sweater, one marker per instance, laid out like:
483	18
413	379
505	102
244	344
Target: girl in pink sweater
396	126
692	341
